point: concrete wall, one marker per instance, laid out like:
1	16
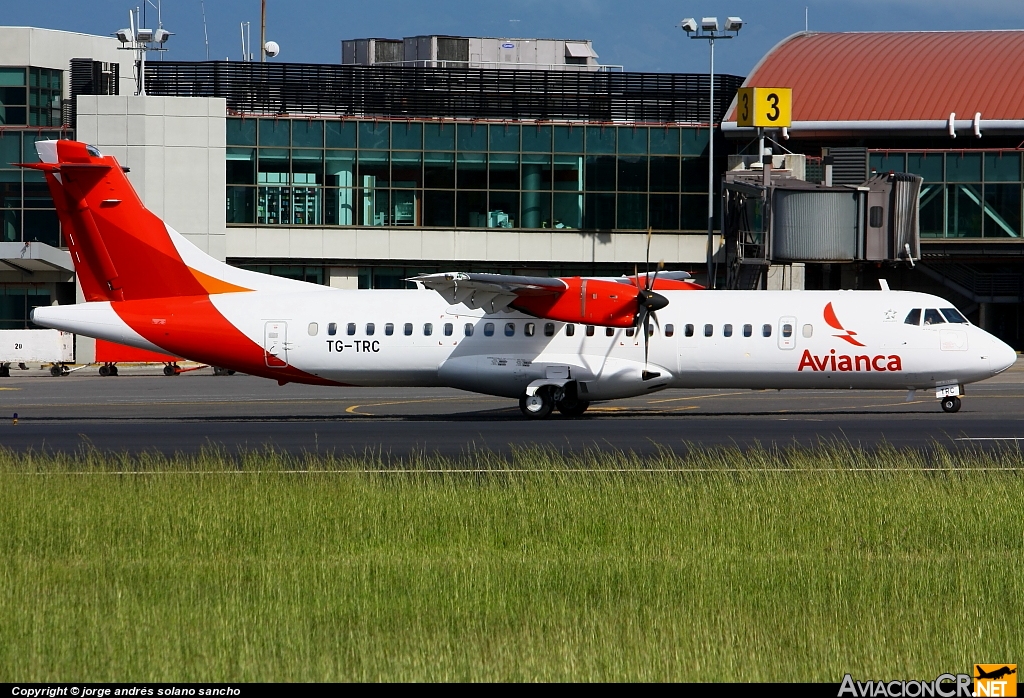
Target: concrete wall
414	244
49	48
175	149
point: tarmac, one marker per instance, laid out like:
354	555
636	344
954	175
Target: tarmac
142	410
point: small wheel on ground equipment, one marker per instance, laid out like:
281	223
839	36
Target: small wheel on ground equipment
55	370
951	404
538	405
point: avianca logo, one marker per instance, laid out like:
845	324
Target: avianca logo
843	362
833	322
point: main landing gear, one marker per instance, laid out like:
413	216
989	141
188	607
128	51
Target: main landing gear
108	369
551	397
951	403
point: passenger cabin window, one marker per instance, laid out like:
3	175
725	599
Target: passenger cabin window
808	330
370	329
913	317
727	330
351	329
449	328
709	330
609	331
428	329
650	330
688	330
313	329
953	315
407	329
332	328
549	329
787	330
590	330
389	329
748	330
630	331
932	317
510	329
489	329
467	329
529	329
766	330
570	330
670	330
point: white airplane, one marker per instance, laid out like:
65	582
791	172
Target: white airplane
552	343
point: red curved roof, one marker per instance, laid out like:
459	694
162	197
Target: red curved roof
854	76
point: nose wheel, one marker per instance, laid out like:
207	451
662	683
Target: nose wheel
951	404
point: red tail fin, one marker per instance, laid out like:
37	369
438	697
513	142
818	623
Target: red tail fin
121	250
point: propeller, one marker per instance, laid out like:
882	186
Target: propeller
648	304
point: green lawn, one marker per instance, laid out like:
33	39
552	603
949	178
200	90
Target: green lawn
769	566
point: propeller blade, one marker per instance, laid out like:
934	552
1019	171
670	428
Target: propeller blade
649	231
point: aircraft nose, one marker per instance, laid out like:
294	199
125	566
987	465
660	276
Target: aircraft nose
1003	356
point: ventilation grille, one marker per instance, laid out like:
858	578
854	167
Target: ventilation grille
355	90
849	165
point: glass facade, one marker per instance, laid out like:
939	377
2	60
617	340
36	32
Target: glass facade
26	208
965	194
30	96
312	172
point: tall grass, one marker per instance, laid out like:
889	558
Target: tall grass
759	566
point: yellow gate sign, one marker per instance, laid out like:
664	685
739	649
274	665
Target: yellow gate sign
770	107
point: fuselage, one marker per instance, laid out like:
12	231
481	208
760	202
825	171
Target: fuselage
703	339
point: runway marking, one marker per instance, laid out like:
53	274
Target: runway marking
990	438
696	397
353	408
10	388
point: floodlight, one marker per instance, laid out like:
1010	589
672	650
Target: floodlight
733	24
709	24
161	35
689	25
144	35
125	36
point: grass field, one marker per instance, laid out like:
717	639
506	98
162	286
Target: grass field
782	565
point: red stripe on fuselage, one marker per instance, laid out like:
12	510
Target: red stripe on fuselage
192	327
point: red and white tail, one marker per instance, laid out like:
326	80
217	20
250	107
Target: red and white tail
121	250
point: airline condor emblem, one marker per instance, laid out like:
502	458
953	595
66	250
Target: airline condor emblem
833	322
844	362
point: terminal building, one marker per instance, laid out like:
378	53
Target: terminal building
438	153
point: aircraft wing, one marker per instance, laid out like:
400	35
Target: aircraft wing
492	292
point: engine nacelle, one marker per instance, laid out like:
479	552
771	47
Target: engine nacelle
587	302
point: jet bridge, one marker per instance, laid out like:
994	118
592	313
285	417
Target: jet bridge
771	217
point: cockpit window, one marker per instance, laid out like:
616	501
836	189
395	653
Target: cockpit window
93	150
913	317
953	315
932	317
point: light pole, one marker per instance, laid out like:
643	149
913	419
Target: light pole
708	29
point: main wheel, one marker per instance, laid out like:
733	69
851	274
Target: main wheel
104	370
5	371
113	370
538	405
951	404
170	370
572	408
